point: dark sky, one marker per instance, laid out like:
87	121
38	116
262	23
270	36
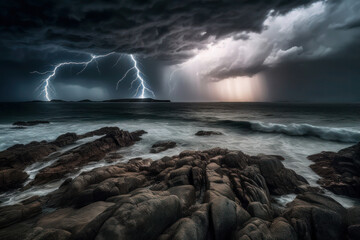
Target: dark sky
270	50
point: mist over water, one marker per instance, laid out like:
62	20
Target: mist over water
293	131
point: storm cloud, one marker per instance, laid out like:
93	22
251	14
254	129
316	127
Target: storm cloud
289	44
164	30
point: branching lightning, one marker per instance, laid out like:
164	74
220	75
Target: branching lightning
46	83
138	77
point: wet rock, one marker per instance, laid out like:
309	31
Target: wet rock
19	212
69	161
235	160
185	193
281	229
255	228
353	215
279	179
30	123
12	178
96	185
263	211
49	233
66	139
218	184
212	194
340	171
180	176
207	133
354	232
316	215
162	146
194	227
72	220
223	215
141	215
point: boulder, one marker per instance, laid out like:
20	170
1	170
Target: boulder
162	146
69	161
259	210
279	179
72	220
12	178
235	160
30	123
340	171
223	216
207	133
141	215
49	233
194	227
19	212
316	215
281	229
255	228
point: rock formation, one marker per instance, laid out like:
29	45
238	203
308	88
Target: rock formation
212	194
340	171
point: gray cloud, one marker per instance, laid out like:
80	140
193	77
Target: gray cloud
162	29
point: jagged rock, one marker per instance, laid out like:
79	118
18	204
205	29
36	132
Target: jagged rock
19	212
223	215
354	232
259	210
185	193
162	146
316	215
194	227
207	133
235	160
140	215
281	229
73	220
255	228
353	215
250	186
340	171
69	161
12	178
180	176
96	185
45	234
30	123
279	179
194	195
217	184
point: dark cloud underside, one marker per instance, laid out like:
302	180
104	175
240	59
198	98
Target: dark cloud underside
165	30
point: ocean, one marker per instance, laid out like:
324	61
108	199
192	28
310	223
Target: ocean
292	130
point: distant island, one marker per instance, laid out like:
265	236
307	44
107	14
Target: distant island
136	100
111	100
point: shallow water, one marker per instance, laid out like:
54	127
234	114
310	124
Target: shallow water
291	130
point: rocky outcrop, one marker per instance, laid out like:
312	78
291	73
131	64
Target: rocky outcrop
30	123
212	194
14	159
340	171
162	146
70	161
11	178
207	133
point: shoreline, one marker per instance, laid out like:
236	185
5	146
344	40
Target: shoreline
217	192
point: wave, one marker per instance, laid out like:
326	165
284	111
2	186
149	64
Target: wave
294	129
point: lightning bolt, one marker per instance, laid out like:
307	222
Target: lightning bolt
139	78
46	83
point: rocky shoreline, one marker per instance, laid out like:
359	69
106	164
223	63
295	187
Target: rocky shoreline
212	194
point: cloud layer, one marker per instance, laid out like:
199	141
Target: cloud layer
162	29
